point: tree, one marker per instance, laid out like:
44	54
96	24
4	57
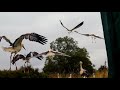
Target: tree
63	64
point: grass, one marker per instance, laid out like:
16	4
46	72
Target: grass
98	74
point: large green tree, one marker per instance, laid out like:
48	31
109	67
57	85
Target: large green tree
71	64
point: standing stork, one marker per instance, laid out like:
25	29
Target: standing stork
26	58
70	76
70	30
82	71
17	45
93	36
58	75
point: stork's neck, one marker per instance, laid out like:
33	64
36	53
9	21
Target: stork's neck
81	66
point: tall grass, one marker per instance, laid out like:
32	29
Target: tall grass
98	74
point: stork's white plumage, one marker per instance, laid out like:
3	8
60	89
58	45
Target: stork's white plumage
17	45
93	36
70	76
82	71
52	53
58	75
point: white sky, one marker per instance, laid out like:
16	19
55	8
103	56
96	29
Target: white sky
14	24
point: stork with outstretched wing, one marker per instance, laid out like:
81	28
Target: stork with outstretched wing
17	45
71	30
26	58
93	36
51	52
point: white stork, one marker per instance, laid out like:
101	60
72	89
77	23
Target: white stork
26	58
52	53
70	30
17	45
93	36
58	75
70	76
82	71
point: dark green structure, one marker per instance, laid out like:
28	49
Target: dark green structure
111	29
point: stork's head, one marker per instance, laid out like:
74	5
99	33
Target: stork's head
81	62
50	50
23	46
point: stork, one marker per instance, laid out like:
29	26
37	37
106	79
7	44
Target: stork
26	58
58	75
17	45
70	30
82	71
93	75
93	36
70	76
52	53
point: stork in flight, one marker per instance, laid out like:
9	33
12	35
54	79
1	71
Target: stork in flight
17	45
52	53
70	30
93	36
26	58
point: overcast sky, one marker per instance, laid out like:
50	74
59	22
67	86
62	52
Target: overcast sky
14	24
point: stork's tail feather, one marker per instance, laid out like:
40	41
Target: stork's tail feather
7	49
4	48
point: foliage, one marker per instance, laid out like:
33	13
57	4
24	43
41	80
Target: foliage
71	64
21	74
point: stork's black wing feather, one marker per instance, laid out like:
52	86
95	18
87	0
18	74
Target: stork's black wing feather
98	37
32	37
86	34
17	57
7	40
28	55
34	54
0	38
78	25
64	26
36	37
44	53
82	34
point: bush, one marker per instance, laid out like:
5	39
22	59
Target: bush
20	74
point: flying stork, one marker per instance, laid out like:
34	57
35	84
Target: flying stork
51	52
26	58
93	36
70	30
17	45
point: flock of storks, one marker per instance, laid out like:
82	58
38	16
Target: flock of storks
17	45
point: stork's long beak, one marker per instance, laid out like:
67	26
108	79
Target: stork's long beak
23	47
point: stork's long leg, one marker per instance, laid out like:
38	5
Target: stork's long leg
15	62
10	61
16	66
24	67
27	66
92	39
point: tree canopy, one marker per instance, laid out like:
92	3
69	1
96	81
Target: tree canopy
62	64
